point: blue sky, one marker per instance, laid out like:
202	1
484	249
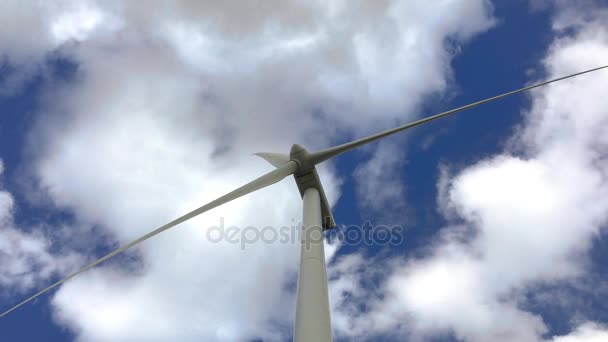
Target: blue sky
120	118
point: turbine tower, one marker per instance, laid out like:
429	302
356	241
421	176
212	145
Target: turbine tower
312	318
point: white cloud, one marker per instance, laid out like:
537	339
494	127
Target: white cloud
378	180
588	332
26	258
34	31
529	220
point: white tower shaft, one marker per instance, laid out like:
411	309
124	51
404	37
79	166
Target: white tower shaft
313	321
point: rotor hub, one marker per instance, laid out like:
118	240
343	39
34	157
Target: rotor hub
301	156
307	177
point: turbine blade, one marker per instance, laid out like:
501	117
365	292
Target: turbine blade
257	184
323	155
275	159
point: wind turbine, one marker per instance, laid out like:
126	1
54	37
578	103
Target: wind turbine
312	321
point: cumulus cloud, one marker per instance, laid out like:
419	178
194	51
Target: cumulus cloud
528	219
588	332
168	101
33	32
26	258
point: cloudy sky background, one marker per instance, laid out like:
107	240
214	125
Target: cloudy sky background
117	117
